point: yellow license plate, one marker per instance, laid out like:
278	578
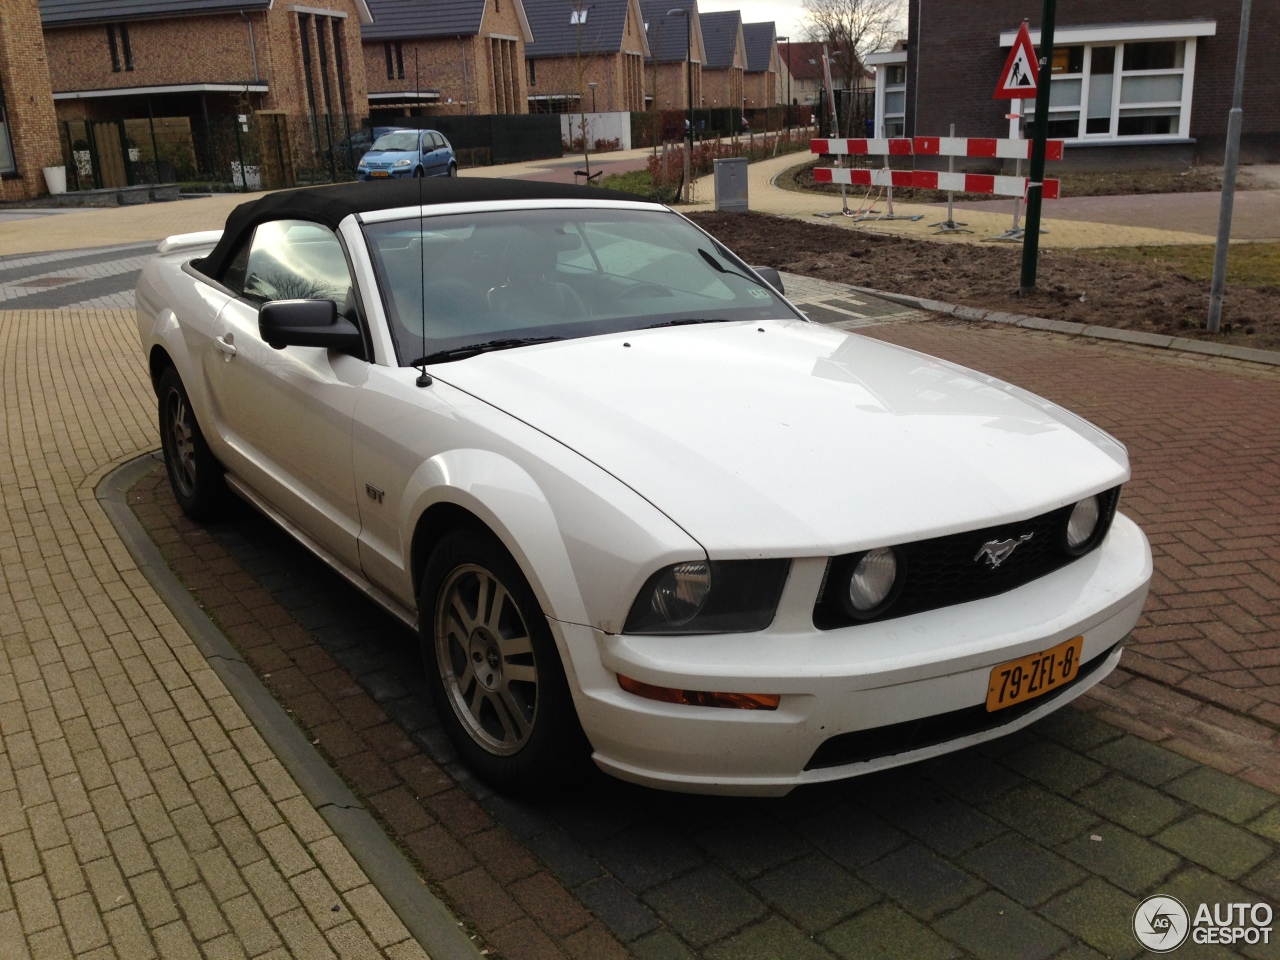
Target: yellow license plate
1033	676
379	173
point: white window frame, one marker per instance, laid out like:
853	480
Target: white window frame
1118	36
882	62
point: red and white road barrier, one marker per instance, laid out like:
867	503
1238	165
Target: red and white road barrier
881	147
880	177
974	183
982	147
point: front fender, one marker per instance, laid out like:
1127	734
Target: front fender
506	499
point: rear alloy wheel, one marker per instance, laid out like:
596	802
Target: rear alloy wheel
194	473
493	667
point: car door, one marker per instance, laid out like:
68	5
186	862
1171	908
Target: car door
286	415
433	142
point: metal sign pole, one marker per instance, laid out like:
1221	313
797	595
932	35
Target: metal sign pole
1035	188
1235	118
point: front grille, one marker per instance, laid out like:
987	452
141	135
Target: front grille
943	571
862	745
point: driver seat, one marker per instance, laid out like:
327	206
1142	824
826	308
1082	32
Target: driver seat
532	294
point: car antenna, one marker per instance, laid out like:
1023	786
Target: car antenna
424	378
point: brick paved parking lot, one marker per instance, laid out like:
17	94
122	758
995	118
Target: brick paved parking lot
1040	845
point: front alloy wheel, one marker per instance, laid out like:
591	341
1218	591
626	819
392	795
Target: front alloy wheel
494	670
486	660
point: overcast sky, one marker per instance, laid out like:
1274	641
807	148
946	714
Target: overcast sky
785	13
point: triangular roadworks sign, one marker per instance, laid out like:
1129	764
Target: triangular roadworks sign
1020	75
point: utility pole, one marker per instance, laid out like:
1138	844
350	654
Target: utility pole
688	70
1229	163
1035	186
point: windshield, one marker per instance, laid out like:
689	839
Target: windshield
507	277
397	140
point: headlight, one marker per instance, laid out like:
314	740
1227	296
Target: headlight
873	579
1082	524
727	596
402	163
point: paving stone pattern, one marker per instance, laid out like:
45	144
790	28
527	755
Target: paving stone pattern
141	815
1036	846
74	279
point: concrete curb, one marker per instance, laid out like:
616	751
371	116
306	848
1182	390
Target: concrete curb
1162	341
425	917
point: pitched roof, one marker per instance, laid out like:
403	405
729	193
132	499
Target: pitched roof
557	31
401	19
759	41
669	36
54	13
720	32
804	60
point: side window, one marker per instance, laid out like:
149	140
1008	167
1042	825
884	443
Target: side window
296	260
234	273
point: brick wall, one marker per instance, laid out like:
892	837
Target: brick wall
722	88
955	55
672	85
559	76
761	89
24	75
185	50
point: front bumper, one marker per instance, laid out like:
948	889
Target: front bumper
400	174
837	682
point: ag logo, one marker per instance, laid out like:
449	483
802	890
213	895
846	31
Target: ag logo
1161	924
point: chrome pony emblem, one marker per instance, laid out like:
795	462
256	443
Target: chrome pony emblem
998	551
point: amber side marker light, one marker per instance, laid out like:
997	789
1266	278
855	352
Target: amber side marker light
701	698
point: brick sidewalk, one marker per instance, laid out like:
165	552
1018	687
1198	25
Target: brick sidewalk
141	814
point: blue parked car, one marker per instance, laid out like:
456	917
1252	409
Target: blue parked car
408	153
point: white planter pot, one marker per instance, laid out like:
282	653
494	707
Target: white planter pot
56	179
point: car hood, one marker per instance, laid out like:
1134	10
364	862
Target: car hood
788	438
388	154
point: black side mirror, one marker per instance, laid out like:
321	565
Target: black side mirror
308	323
770	276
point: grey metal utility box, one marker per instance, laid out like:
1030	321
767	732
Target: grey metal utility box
731	184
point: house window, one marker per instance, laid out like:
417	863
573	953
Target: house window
7	164
395	59
895	100
118	44
578	17
531	72
1118	90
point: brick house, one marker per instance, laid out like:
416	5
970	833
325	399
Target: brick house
804	62
210	62
726	63
446	57
669	81
1144	83
594	51
763	78
28	127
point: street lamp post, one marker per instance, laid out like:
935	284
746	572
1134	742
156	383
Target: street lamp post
787	105
688	121
593	84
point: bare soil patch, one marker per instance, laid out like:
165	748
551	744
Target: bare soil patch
1128	294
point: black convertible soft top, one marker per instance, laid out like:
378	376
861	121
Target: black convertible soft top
330	205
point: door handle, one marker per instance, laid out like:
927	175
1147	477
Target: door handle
225	345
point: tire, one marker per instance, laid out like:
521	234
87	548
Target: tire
494	671
194	473
453	169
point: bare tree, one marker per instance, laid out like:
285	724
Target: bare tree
851	29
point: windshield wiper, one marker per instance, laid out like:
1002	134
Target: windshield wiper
721	268
684	321
474	349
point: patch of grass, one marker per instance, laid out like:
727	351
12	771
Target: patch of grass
1255	264
639	182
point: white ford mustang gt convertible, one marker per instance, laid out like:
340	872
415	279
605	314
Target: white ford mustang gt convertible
636	505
